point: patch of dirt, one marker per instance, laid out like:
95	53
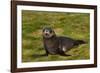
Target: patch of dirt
58	31
37	33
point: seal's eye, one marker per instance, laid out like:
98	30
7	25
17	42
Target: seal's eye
50	31
47	31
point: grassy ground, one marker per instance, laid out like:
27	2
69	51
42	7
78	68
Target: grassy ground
74	25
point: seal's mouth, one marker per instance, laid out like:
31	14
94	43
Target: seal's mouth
46	34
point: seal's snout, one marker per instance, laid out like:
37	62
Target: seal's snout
46	34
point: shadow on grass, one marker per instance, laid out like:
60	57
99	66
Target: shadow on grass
39	55
44	55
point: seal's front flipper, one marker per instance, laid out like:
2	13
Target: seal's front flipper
63	53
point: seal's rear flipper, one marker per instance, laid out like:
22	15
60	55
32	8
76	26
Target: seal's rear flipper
78	42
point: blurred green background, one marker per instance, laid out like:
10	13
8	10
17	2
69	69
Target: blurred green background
74	25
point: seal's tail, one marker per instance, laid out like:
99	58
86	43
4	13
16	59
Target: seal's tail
78	42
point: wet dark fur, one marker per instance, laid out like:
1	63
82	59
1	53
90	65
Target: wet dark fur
58	44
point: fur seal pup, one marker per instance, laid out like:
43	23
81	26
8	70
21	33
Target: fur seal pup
54	44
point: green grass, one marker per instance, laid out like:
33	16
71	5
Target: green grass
74	25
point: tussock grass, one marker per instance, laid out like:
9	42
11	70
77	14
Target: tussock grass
74	25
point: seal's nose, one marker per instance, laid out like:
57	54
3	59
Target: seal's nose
46	32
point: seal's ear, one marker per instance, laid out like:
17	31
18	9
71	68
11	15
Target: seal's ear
53	32
43	29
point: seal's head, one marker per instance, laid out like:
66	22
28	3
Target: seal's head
48	32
